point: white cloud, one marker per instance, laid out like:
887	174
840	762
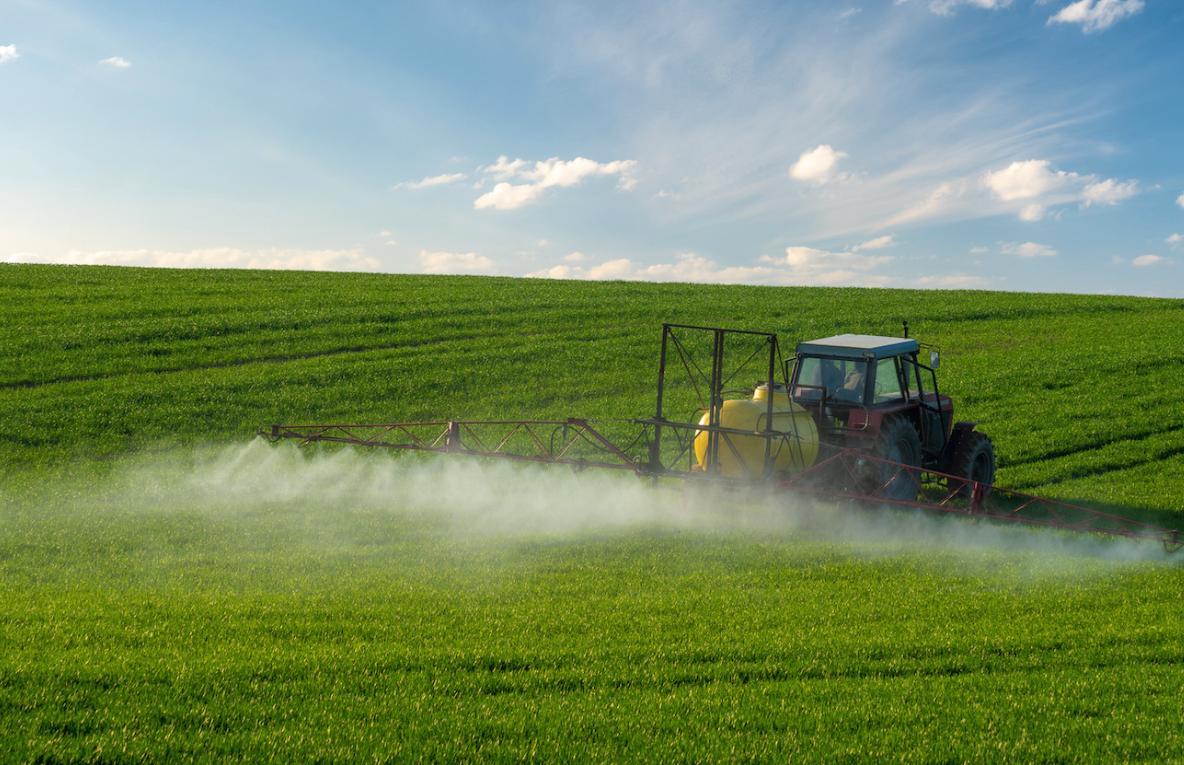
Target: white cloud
1032	212
454	262
878	243
850	12
506	196
1174	239
1147	260
435	180
8	53
220	257
119	62
1109	192
800	266
946	7
553	172
1027	249
1180	200
980	250
504	169
1024	180
575	257
1096	15
1036	180
816	164
812	266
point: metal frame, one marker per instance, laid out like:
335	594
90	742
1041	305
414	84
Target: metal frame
711	398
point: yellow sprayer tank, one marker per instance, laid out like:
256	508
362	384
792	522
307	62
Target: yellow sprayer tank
794	448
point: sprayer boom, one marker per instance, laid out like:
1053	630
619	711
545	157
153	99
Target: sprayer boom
843	477
852	418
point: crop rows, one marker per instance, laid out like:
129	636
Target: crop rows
173	590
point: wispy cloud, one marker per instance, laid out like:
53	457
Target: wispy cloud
455	263
220	257
8	53
946	7
941	201
435	180
1180	200
878	243
1027	249
712	107
119	62
1096	15
546	174
1147	260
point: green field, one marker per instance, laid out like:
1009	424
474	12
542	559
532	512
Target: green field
174	589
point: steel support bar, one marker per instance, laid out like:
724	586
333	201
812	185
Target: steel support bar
515	440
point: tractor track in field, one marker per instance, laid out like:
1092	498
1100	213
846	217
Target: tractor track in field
1097	470
1069	452
30	384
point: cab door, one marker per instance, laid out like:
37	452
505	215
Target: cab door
922	388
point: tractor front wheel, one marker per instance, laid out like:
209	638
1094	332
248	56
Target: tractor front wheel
898	442
978	461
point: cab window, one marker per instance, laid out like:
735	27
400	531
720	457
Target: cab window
887	386
844	379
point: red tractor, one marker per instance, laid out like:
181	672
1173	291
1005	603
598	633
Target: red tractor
872	394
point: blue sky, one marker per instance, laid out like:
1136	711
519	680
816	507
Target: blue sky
1030	145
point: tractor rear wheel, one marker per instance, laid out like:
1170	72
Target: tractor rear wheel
898	442
978	460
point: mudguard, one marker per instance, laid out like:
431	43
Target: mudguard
952	454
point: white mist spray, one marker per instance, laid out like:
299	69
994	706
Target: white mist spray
470	497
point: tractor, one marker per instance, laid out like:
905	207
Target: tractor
872	394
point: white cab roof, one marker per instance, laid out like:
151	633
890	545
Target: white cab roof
859	346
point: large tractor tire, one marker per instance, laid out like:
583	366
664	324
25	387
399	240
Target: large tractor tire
898	442
978	460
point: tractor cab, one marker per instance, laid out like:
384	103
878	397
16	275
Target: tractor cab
853	370
853	382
